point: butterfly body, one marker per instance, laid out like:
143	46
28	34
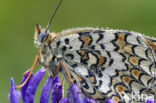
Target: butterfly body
103	63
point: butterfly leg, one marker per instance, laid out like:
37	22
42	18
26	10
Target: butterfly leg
66	70
62	81
56	70
30	72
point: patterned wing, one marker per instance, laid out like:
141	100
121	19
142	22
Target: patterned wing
111	63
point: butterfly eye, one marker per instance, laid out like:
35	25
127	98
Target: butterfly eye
42	36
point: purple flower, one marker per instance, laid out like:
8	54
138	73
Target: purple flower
110	101
76	93
150	101
56	80
64	100
14	97
88	100
29	89
46	90
23	89
32	86
57	93
70	96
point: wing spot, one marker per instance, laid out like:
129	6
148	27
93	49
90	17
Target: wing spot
70	56
66	41
120	89
86	40
135	73
70	47
82	53
64	48
58	43
152	45
121	37
92	79
116	100
134	60
102	46
84	56
126	80
100	60
74	65
100	37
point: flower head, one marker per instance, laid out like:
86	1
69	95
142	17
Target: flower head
46	90
14	97
31	87
88	100
57	93
150	101
28	91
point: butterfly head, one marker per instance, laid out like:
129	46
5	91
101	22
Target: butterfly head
40	35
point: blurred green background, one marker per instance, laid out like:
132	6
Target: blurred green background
18	19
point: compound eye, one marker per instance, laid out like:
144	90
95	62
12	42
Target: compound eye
42	36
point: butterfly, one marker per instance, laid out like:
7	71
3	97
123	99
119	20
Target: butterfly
104	64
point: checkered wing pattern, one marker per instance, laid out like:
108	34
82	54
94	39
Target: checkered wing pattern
109	63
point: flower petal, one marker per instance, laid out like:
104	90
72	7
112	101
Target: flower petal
70	96
14	95
32	86
64	100
77	96
56	80
110	101
150	101
85	100
57	93
46	90
88	100
24	88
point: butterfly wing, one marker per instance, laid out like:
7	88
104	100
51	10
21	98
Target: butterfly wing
111	64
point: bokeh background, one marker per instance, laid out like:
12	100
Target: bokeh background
18	19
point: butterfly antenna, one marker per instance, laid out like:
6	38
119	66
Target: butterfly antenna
53	14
